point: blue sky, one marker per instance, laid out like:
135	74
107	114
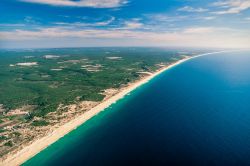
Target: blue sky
83	23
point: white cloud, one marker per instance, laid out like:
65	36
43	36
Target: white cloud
132	25
103	23
193	36
199	30
165	18
84	24
210	30
232	6
81	3
29	19
208	18
191	9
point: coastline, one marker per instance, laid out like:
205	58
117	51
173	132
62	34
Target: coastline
42	143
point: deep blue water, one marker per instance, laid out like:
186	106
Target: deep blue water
197	113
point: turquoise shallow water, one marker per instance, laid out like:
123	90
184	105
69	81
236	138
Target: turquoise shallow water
197	113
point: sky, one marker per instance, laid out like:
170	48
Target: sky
101	23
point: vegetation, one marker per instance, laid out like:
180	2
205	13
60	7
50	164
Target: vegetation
40	123
9	143
33	83
61	77
2	137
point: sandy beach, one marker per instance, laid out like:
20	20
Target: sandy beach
40	144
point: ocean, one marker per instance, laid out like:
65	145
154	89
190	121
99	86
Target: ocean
196	113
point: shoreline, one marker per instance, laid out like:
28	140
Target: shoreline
42	143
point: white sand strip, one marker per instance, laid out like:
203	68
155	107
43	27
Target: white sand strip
42	143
